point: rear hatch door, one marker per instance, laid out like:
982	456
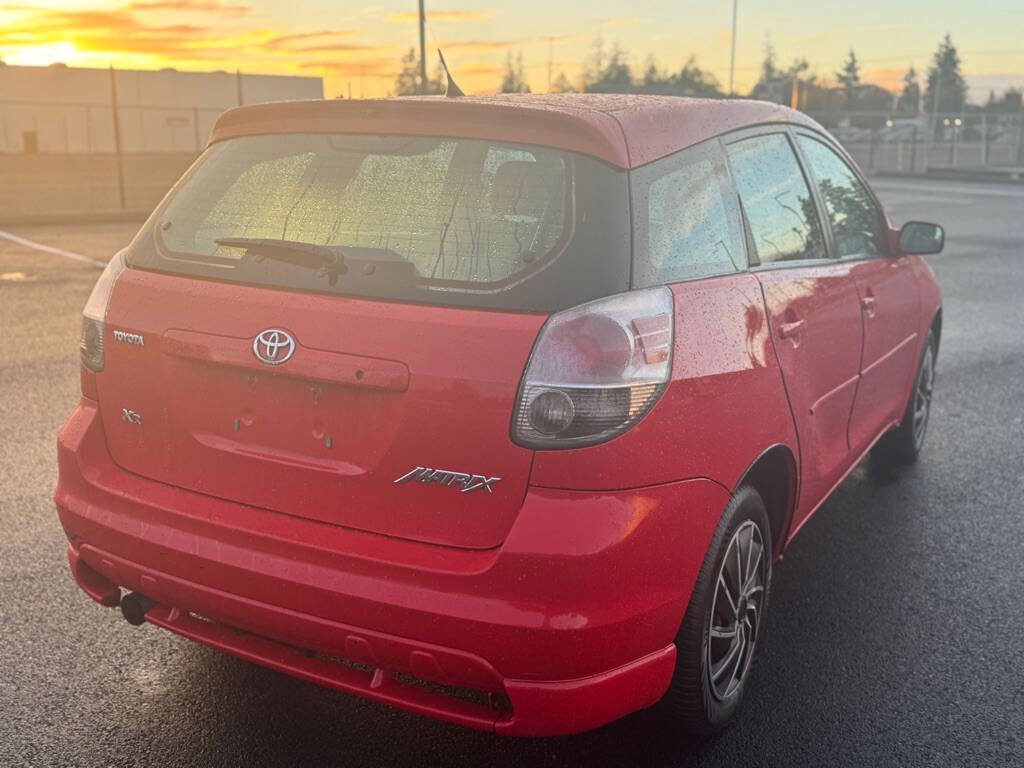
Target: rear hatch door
372	392
406	358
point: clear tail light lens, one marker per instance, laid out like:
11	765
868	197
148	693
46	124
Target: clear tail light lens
95	312
595	371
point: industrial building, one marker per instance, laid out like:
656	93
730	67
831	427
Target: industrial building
102	141
60	109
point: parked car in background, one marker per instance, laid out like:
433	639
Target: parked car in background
496	409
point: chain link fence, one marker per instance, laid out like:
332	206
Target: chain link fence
32	127
965	144
94	158
91	158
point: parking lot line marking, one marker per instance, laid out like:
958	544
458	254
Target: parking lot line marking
51	249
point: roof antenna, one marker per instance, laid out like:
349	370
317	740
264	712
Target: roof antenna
451	90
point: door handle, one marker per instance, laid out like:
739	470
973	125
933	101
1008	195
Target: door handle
788	330
868	302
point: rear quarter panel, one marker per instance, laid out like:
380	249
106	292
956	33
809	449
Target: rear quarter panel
725	403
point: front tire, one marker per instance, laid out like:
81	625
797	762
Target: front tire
903	445
724	621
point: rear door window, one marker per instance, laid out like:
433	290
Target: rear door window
688	222
780	209
856	220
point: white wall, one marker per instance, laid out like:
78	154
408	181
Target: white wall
160	111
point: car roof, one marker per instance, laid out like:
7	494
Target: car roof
625	130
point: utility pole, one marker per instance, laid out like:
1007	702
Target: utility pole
1020	137
423	50
117	138
732	54
936	97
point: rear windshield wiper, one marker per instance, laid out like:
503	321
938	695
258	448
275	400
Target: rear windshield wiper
330	259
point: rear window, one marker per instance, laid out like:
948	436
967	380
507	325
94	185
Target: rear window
441	220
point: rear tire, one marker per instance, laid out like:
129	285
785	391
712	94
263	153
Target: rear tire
724	621
903	445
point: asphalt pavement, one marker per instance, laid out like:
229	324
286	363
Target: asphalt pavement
896	631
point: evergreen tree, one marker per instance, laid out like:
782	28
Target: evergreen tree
770	85
799	70
614	77
408	81
691	80
769	71
849	79
909	101
593	67
562	84
946	89
654	80
514	81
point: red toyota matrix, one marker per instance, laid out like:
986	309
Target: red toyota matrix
495	409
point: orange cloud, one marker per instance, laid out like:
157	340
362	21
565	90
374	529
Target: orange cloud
285	41
890	78
114	30
199	6
120	31
480	45
479	69
500	45
377	67
618	21
407	16
343	48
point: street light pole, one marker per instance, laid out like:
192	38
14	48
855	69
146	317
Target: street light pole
423	50
732	54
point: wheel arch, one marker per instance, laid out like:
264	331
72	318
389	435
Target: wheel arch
773	474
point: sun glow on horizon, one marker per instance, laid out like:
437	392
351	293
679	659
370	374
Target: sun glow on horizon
358	49
43	54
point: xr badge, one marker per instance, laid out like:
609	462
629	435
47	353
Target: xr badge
447	477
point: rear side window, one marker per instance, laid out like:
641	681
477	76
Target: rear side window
781	212
688	222
855	219
435	220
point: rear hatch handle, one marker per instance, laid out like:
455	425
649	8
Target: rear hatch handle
308	363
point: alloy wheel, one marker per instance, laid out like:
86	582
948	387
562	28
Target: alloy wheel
736	610
923	395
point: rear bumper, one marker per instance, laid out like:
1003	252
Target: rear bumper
566	626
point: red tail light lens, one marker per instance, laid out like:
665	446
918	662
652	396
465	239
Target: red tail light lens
595	371
94	314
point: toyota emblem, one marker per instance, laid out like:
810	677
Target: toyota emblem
273	346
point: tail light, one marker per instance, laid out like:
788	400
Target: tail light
595	371
95	313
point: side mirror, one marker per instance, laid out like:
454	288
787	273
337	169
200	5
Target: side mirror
921	238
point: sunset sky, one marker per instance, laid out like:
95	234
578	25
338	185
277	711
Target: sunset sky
359	46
